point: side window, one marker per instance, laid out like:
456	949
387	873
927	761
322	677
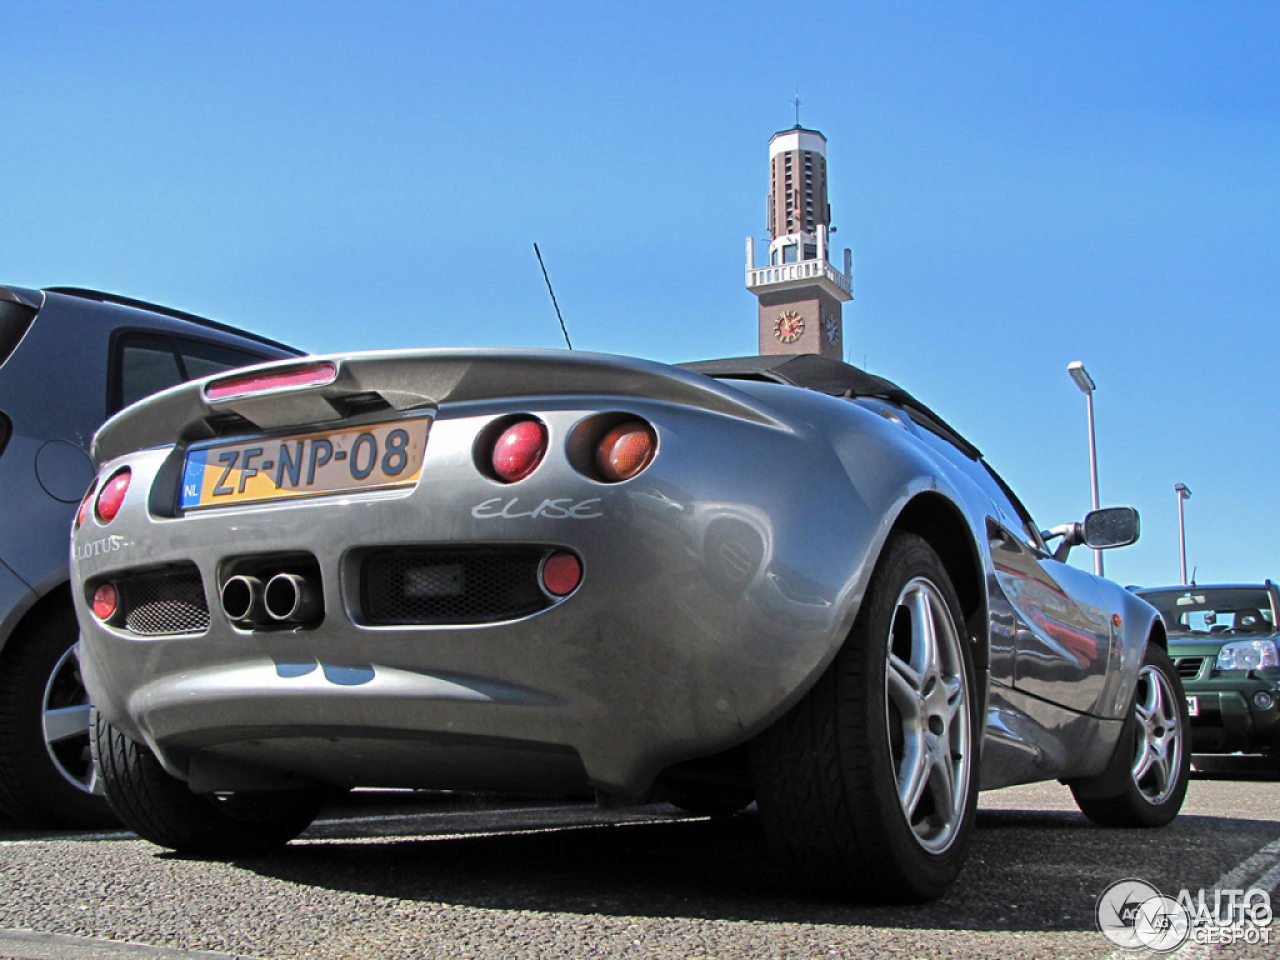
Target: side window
206	359
1006	497
15	319
147	365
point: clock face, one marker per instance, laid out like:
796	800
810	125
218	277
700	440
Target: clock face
788	326
833	329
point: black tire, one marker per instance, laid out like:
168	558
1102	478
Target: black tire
47	777
1154	754
828	775
160	807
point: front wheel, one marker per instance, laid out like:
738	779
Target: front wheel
1155	752
868	786
162	809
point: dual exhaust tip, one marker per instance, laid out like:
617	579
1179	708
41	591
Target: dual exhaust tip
285	598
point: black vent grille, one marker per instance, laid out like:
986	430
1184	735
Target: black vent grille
165	602
433	586
1189	667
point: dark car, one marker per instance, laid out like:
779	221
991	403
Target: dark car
772	578
1225	644
70	358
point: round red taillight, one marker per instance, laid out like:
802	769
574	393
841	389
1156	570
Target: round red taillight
519	450
112	496
626	450
82	514
104	602
561	574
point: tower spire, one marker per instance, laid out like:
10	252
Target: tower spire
800	291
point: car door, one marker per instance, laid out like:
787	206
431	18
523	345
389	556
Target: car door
1063	640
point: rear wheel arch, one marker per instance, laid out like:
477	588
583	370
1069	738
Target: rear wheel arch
940	523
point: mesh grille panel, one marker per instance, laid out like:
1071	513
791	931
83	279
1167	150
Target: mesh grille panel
1189	667
165	602
451	586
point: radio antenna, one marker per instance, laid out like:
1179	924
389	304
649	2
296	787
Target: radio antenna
553	295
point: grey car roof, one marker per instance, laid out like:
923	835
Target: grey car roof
113	298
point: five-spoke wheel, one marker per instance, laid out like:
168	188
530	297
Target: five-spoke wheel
1147	779
927	712
868	786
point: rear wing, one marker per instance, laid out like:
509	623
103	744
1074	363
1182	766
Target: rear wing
404	381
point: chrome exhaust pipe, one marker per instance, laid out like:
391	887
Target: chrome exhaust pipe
242	601
290	598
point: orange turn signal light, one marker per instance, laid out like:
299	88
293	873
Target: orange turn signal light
626	450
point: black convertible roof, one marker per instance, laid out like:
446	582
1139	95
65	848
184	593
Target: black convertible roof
832	377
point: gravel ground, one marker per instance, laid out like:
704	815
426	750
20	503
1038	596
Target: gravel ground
373	880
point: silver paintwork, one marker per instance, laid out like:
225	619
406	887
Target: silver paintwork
673	647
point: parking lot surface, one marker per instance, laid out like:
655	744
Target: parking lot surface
437	875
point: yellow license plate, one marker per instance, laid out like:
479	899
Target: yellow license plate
377	457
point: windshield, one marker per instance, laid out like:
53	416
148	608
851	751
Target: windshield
1206	610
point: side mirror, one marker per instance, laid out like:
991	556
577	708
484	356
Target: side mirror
1111	527
1101	530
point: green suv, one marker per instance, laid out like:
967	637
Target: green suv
1226	647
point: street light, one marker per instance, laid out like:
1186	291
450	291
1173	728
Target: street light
1087	386
1184	493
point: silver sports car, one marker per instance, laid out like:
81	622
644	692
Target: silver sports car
773	579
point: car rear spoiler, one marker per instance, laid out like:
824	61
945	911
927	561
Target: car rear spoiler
403	381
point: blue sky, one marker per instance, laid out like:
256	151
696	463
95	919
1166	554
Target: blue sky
1023	185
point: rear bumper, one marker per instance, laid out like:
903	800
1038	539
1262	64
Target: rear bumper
698	621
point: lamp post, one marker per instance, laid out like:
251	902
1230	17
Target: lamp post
1184	493
1087	386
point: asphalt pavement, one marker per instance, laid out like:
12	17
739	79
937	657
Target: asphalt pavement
390	874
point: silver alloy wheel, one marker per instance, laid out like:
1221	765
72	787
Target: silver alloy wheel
1158	756
65	718
927	708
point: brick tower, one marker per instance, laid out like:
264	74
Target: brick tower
799	290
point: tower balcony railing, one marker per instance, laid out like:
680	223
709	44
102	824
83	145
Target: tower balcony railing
801	270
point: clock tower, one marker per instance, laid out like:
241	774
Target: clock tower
799	290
